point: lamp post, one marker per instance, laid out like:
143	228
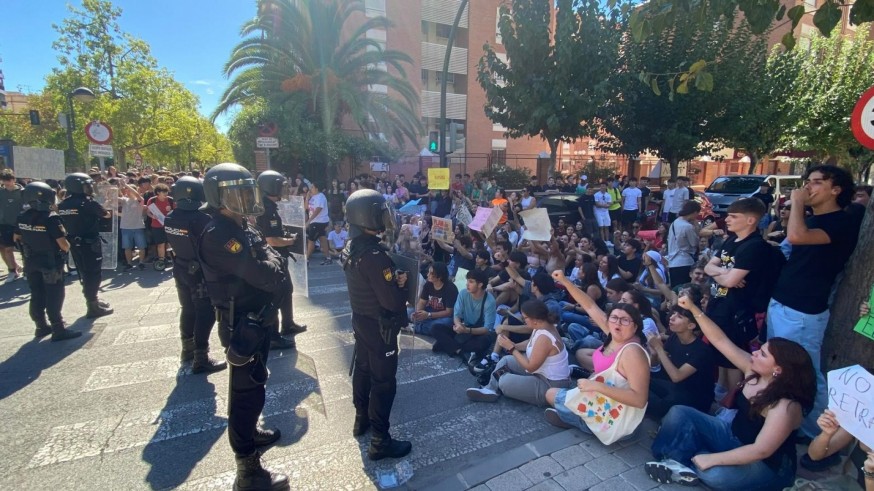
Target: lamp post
82	94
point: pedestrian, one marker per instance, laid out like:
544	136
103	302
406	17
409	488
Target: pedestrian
317	223
683	243
158	207
271	184
10	206
377	294
244	279
81	216
183	227
44	242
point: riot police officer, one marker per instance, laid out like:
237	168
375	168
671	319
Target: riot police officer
44	244
378	298
183	227
81	216
271	184
244	279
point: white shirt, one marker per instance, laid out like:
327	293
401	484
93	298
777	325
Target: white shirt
629	198
681	196
603	198
319	201
668	196
338	240
682	242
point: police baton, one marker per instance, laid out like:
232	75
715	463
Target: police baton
354	351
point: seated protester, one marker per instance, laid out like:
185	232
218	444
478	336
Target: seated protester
757	449
823	450
483	263
503	286
614	290
436	302
646	282
589	284
462	253
473	322
630	261
608	269
533	366
625	328
337	240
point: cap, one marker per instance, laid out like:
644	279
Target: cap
584	177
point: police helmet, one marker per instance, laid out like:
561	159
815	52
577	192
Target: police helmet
39	195
368	209
271	183
188	193
79	183
231	186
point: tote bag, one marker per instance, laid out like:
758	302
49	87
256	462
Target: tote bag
609	420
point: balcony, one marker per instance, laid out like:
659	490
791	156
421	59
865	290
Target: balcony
443	12
433	54
456	105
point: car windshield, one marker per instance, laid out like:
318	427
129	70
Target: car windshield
735	185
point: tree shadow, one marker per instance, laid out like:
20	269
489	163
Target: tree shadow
14	294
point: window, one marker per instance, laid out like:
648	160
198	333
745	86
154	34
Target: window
425	77
424	29
443	31
374	8
499	157
450	78
498	38
810	3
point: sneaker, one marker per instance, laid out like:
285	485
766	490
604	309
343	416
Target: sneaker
326	262
579	372
469	359
482	395
552	417
11	277
670	471
484	365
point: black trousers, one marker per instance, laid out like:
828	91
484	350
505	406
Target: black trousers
46	295
88	259
285	301
665	394
679	275
197	316
374	380
447	341
246	396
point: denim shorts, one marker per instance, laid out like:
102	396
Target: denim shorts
133	237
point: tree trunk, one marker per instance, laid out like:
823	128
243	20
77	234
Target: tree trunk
553	152
754	161
675	166
843	346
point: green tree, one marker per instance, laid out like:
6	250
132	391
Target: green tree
551	86
294	54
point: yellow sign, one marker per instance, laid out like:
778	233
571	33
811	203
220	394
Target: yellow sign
438	178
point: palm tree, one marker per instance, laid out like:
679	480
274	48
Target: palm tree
294	54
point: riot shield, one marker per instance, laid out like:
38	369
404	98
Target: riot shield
107	195
412	265
293	215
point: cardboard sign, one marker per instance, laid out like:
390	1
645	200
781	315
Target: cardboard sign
865	326
536	224
441	229
851	398
463	215
486	220
438	178
461	279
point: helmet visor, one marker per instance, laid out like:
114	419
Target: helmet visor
88	187
241	197
388	219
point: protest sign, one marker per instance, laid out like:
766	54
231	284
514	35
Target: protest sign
441	229
438	178
865	326
536	224
851	398
486	220
410	208
461	279
463	215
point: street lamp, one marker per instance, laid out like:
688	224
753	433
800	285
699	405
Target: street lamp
82	94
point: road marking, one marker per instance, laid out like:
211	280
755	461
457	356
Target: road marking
157	308
147	333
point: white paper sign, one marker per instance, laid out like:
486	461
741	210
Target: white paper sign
851	398
536	224
486	220
461	279
156	213
38	163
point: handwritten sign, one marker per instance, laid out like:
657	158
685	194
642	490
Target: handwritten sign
851	398
463	215
461	279
438	178
441	229
486	220
536	224
865	326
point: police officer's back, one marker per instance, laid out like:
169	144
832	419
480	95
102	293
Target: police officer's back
183	227
378	300
44	244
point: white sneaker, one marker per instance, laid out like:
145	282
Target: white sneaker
482	395
670	471
11	277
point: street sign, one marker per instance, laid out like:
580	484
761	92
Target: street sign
268	129
138	158
267	142
100	150
99	133
862	120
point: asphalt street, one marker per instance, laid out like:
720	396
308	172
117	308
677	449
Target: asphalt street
115	409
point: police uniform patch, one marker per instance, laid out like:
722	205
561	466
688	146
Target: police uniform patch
233	246
274	223
387	274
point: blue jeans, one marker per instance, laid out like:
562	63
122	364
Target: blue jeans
807	330
584	337
687	432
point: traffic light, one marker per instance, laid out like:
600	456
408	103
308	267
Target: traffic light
434	142
456	136
34	117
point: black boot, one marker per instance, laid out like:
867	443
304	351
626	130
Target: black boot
61	333
386	447
96	310
187	350
252	477
42	329
279	342
204	364
266	436
293	328
361	425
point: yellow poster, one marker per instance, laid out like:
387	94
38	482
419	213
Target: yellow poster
438	178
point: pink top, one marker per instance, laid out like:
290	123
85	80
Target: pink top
602	361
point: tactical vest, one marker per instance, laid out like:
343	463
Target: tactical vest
78	224
41	252
361	296
183	227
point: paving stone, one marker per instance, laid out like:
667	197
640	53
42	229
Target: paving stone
607	466
577	479
573	456
597	449
510	481
547	485
540	469
638	478
613	484
634	455
481	487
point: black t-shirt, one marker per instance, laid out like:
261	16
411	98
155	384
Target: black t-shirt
439	300
631	265
806	279
699	355
750	254
586	202
765	198
644	192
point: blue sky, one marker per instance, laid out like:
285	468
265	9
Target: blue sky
191	38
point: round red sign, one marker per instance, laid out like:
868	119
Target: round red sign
862	120
99	133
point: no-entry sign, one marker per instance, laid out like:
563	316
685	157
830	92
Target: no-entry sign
862	120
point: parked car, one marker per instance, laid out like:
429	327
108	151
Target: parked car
706	216
725	190
561	205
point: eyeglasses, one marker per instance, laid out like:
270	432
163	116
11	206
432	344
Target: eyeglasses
622	321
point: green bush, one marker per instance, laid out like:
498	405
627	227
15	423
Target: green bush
506	177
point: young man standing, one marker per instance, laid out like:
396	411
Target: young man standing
318	223
644	193
603	202
668	201
631	201
680	197
10	206
682	244
821	245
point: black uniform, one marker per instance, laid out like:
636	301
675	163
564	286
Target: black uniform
43	263
243	276
81	216
270	225
378	311
183	227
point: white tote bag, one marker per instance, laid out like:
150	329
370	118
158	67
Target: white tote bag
609	420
